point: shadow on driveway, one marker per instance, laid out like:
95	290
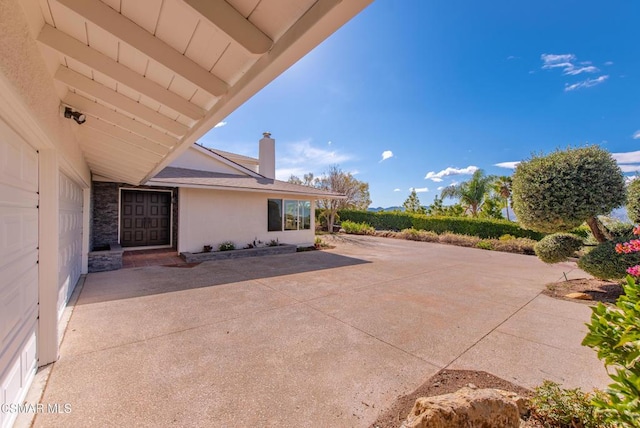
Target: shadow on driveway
145	281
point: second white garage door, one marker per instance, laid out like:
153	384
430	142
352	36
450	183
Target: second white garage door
70	241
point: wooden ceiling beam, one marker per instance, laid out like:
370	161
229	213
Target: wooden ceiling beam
101	63
137	37
92	108
230	21
78	81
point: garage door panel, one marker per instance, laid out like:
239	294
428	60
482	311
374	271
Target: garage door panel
19	291
18	267
70	200
18	164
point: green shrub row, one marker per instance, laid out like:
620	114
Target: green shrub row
357	228
483	228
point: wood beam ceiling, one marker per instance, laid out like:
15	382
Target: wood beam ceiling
230	21
137	37
71	47
78	81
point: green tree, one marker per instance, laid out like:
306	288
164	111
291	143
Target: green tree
412	204
492	207
472	193
502	188
633	201
437	208
560	191
355	192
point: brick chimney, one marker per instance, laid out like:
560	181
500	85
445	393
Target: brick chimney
267	156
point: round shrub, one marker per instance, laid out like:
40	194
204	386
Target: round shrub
558	192
226	246
633	201
603	262
620	230
557	247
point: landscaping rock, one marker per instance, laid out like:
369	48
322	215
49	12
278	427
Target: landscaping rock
579	296
468	407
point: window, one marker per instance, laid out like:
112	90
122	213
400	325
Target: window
288	215
275	215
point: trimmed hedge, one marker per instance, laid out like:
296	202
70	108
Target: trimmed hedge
557	247
483	228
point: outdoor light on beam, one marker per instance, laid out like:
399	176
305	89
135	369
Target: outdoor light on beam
75	115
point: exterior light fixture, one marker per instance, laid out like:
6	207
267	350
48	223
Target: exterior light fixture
75	115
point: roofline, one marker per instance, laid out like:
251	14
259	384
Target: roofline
242	189
226	160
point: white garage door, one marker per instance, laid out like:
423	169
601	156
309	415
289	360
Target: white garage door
18	267
70	241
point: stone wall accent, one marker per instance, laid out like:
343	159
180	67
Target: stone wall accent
105	210
102	261
238	254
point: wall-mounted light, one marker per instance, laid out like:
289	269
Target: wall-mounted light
75	115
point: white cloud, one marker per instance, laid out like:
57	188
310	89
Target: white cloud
329	143
608	63
440	188
301	157
510	165
585	83
630	168
437	176
396	190
419	189
387	154
554	61
627	157
636	135
567	62
579	70
220	124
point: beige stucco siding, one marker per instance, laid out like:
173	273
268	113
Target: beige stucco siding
195	159
23	69
210	217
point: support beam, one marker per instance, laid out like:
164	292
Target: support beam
129	32
71	47
127	151
125	136
78	81
230	21
94	109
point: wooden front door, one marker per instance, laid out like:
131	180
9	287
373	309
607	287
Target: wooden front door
145	218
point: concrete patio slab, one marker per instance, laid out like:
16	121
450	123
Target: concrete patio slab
324	338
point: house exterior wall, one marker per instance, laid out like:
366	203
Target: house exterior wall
105	208
210	217
195	159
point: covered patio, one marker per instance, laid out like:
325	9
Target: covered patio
321	338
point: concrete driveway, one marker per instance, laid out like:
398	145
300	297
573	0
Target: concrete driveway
325	338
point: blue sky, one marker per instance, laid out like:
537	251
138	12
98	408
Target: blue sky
417	94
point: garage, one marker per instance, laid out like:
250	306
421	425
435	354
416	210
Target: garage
70	239
18	267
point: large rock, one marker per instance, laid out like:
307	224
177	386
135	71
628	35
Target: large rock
468	407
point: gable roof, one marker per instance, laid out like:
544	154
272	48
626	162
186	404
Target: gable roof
183	177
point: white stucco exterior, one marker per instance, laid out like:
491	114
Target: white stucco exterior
203	160
210	217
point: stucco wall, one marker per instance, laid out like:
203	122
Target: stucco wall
23	67
194	159
105	211
210	217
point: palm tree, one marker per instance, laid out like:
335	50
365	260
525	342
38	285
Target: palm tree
472	193
502	187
